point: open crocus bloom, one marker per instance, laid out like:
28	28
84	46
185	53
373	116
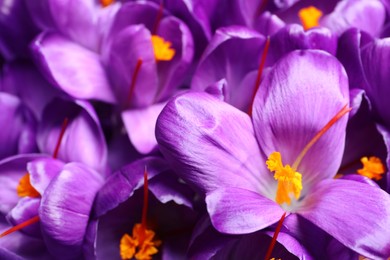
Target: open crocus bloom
222	152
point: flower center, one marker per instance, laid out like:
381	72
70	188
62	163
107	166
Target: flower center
25	189
162	49
373	168
309	17
106	3
289	180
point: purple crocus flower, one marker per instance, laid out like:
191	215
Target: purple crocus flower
169	211
223	153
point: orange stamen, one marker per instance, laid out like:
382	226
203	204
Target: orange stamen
339	115
373	168
63	128
309	17
134	80
259	73
20	226
158	18
106	3
275	236
25	189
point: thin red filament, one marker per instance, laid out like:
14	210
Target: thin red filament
63	128
275	236
158	18
134	80
146	193
260	9
20	226
259	73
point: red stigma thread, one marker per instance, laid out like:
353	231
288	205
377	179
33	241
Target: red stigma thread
146	193
134	80
273	241
63	128
158	18
20	226
261	7
259	73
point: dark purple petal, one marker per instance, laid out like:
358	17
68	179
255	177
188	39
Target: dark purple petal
240	211
211	144
72	68
232	53
12	169
65	209
83	139
368	16
42	171
354	213
140	125
386	138
268	24
297	98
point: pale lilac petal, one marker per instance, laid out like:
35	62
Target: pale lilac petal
368	16
240	211
211	144
65	209
26	209
140	125
297	98
42	171
72	68
356	214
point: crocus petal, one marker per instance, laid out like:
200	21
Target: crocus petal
72	68
26	209
297	98
42	171
140	125
268	24
356	214
386	137
122	184
239	211
65	209
123	53
12	169
368	16
211	144
83	139
375	59
232	53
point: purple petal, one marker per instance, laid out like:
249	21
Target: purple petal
72	68
240	211
65	209
26	209
354	213
268	24
368	16
140	125
299	96
386	137
121	186
83	139
42	171
211	144
232	54
126	48
12	169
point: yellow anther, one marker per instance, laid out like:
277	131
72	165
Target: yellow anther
140	245
162	49
289	180
309	17
105	3
373	168
25	189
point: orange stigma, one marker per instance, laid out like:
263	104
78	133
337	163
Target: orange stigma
142	244
25	189
162	49
259	73
309	17
373	168
106	3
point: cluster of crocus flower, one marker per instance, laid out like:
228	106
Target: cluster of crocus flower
194	129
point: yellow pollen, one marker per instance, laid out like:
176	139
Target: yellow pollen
140	245
162	49
106	3
373	168
309	17
289	180
25	189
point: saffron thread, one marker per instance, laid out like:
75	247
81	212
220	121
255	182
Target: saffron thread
134	81
275	236
20	226
63	128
